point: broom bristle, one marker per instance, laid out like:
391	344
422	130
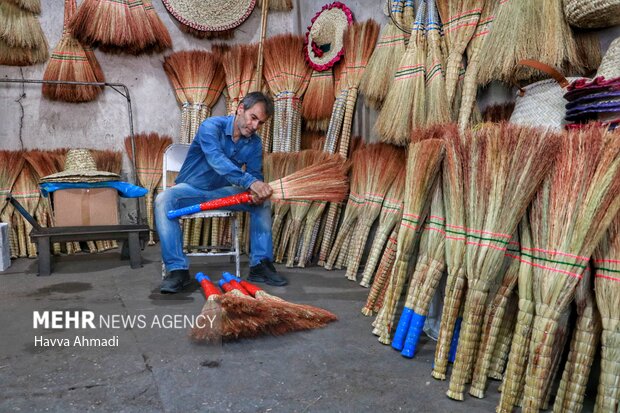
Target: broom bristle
319	98
20	28
150	149
108	160
285	67
326	182
104	23
499	112
162	39
239	64
200	34
43	163
33	6
18	56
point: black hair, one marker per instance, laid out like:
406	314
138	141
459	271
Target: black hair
253	98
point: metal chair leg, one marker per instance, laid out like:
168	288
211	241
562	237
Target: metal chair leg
235	234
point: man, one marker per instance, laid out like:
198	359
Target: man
212	170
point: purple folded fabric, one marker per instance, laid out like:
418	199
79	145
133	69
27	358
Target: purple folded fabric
583	86
601	96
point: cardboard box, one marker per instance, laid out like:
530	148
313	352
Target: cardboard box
85	207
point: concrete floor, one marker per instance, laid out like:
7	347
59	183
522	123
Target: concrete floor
341	368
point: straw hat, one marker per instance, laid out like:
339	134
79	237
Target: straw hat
80	167
324	44
210	15
610	65
592	14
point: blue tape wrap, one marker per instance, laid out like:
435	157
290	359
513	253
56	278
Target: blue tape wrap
401	330
413	335
177	213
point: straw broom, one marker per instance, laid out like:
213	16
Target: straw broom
385	163
374	302
423	163
70	63
429	267
12	163
607	291
287	75
26	191
396	119
437	107
459	29
59	156
162	39
505	334
470	86
559	344
569	216
498	112
22	41
316	107
239	64
355	203
494	319
583	346
105	23
149	157
33	6
455	243
506	164
390	215
282	164
382	65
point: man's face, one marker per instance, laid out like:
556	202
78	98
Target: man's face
248	121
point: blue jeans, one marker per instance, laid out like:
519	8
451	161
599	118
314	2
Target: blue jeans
182	195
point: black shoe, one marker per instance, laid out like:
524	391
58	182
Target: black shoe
265	272
175	282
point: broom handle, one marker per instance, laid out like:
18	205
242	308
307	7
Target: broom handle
608	386
242	198
263	33
70	8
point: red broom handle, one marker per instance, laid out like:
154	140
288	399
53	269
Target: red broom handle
207	286
228	287
251	289
242	198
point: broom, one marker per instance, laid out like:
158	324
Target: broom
505	334
494	320
455	244
105	23
22	41
607	292
428	270
149	157
505	166
326	181
569	216
384	61
316	107
583	346
374	302
499	112
280	164
162	40
389	160
355	203
470	86
406	94
239	64
70	63
459	29
33	6
26	191
287	75
437	107
423	163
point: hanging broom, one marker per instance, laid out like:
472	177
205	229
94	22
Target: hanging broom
105	23
583	346
316	107
383	63
494	319
26	191
437	107
239	64
607	291
569	216
33	6
470	86
70	63
287	75
423	163
389	160
506	164
162	40
149	157
455	244
22	41
405	97
428	270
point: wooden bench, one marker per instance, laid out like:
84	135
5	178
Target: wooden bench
132	236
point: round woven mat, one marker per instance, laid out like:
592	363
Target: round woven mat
210	15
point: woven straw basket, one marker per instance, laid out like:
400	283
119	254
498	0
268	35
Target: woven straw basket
542	104
592	14
610	65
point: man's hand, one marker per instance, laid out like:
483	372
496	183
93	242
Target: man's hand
261	191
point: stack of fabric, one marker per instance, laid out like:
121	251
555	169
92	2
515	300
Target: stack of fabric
597	99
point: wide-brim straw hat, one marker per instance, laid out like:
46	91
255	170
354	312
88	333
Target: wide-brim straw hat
592	14
210	15
80	166
610	65
324	45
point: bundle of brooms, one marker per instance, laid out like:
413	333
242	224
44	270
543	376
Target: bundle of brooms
150	148
70	62
121	26
26	191
607	291
11	163
423	165
569	216
436	101
505	166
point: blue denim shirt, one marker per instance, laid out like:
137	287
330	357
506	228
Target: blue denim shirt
214	160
